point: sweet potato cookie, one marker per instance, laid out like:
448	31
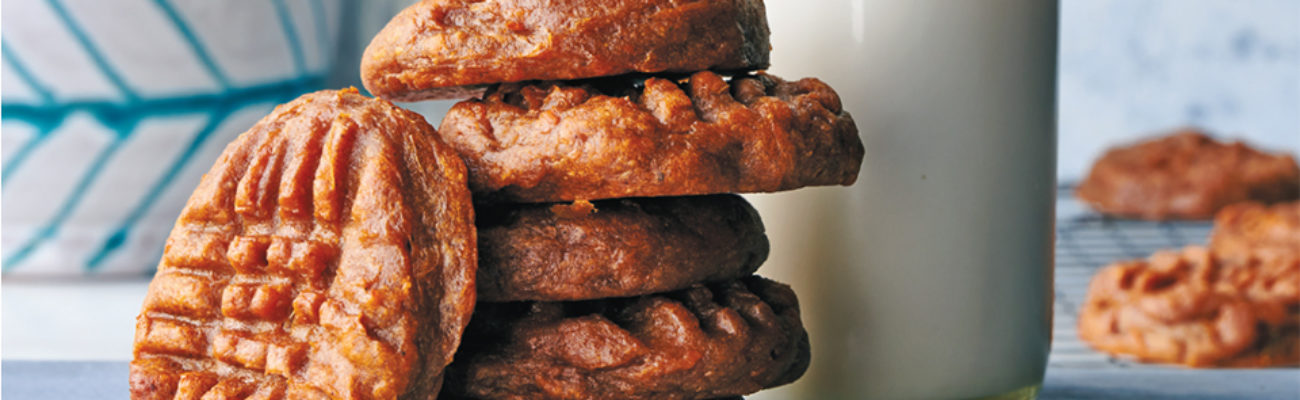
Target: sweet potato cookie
329	253
1247	230
1187	175
1193	308
618	138
615	248
435	47
715	340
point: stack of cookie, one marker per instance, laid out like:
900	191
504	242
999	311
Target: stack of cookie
603	141
574	223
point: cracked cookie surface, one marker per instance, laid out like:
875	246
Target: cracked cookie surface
329	253
615	248
707	341
436	48
549	142
1186	175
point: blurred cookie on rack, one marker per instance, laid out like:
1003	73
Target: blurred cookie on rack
1194	308
1251	229
1186	175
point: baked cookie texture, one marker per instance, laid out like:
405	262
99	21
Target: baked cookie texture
438	48
1186	175
553	141
1193	308
707	341
615	248
329	253
1246	230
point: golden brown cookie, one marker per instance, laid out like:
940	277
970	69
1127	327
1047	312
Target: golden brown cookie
435	48
615	248
1245	230
329	253
1191	307
1186	175
708	341
549	142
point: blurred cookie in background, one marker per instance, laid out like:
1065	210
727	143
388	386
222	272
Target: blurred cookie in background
1194	308
1247	230
1186	175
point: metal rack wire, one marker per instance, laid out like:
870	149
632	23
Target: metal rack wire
1086	242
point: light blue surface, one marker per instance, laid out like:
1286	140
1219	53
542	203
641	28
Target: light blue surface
1135	67
108	380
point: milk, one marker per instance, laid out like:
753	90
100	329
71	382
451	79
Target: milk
931	277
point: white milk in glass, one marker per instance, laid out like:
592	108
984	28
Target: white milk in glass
931	277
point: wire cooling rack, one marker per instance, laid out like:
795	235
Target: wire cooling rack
1086	242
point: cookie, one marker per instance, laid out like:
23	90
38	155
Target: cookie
1250	229
1190	307
451	48
1186	175
550	142
707	341
615	248
329	253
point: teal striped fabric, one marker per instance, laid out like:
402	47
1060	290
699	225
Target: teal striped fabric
112	110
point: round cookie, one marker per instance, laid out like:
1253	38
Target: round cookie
1186	175
548	142
1245	230
451	48
329	253
615	248
715	340
1191	307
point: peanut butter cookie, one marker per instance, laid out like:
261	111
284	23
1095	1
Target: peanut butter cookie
1191	307
329	253
451	48
548	142
615	248
1245	230
1186	175
708	341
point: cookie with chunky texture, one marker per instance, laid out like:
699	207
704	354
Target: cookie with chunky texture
615	248
614	138
1186	175
329	253
1245	230
451	48
708	341
1191	307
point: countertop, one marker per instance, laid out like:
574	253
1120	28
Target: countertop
60	380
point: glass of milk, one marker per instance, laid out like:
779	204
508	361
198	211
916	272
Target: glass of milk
931	277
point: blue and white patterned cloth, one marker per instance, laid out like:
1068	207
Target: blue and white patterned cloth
113	110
